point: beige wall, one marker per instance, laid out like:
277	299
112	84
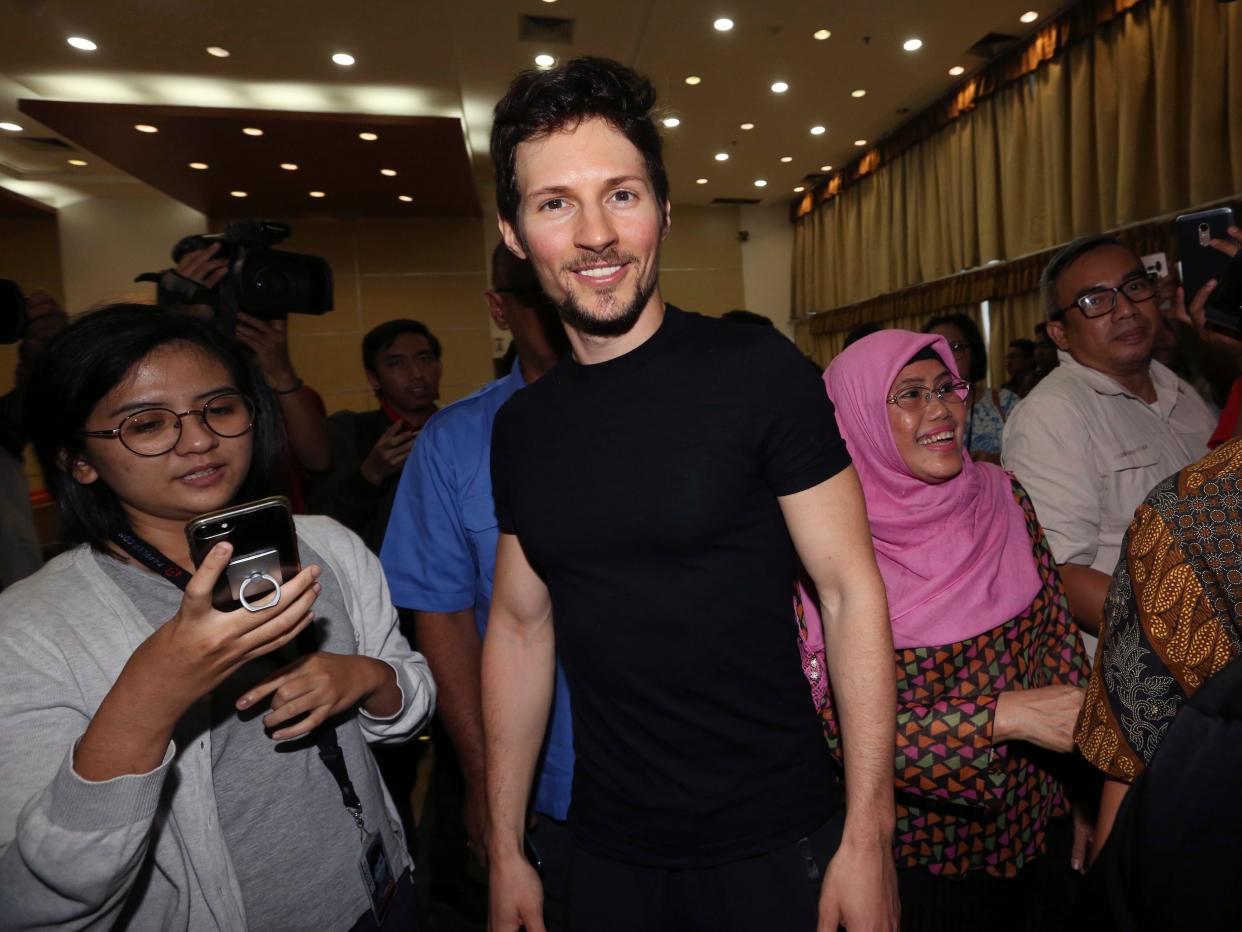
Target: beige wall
767	263
701	262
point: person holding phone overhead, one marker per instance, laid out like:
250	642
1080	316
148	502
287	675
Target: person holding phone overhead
178	766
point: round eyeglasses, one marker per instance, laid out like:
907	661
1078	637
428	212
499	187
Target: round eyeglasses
155	431
918	397
1101	301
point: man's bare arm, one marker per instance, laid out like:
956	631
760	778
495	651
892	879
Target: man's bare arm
519	672
1086	589
828	524
450	642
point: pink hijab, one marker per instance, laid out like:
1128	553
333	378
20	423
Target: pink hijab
956	557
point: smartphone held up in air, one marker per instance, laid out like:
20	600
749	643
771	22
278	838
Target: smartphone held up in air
1201	262
265	551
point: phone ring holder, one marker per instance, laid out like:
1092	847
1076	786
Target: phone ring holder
254	577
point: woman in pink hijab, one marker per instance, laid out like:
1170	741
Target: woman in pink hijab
988	658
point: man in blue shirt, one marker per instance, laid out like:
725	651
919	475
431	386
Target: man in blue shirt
440	556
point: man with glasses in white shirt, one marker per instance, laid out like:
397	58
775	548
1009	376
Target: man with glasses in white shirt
1108	424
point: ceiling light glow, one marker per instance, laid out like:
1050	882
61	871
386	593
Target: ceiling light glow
786	158
956	70
199	166
822	34
912	45
344	59
858	93
252	131
818	130
388	172
544	61
368	137
404	197
317	194
779	87
77	162
825	168
146	128
218	51
239	194
289	166
693	79
1029	16
700	181
722	156
760	183
860	142
11	127
85	45
799	189
747	126
724	24
671	122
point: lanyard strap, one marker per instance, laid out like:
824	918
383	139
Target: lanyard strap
325	738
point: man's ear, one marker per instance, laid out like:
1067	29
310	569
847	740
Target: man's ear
82	471
509	234
668	220
1056	333
372	380
496	307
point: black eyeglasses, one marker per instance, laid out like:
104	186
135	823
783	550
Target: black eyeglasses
155	431
918	397
1101	301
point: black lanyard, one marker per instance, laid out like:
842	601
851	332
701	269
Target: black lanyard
325	738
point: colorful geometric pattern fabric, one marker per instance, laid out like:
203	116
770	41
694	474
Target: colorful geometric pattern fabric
964	803
1171	616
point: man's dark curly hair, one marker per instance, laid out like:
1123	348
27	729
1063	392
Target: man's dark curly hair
540	103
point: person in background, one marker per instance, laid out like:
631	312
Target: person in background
1109	423
401	359
1020	366
747	317
1045	353
440	558
20	551
858	332
989	661
163	761
986	408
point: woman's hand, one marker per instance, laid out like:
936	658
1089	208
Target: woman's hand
188	657
322	685
1045	716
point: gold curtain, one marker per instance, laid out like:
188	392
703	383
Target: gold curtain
1141	118
1011	319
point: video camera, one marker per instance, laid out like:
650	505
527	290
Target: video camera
12	311
262	281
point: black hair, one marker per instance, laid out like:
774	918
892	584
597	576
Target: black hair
978	352
88	360
380	338
1062	261
859	331
1023	345
739	316
539	103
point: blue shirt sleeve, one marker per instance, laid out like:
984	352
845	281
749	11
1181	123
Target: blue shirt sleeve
426	553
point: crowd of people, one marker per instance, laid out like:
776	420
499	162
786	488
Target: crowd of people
713	640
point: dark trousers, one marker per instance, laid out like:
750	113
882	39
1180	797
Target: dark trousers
551	839
775	891
1039	899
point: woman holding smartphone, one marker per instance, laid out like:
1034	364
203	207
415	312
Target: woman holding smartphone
167	765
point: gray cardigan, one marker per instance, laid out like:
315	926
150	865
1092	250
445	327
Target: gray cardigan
141	851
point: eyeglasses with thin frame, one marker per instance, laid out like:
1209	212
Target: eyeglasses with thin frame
1101	301
155	431
917	397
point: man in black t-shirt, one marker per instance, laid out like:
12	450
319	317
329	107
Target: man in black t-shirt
651	492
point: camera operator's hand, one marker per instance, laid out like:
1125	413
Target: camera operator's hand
389	453
1196	314
202	266
270	341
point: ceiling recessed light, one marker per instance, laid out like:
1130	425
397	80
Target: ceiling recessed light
404	197
545	61
218	51
722	156
77	162
747	126
724	24
388	172
825	168
239	194
146	128
671	122
11	127
700	181
956	70
85	45
343	59
858	93
368	137
912	45
252	131
289	166
818	130
799	189
860	142
760	183
779	87
786	158
1029	16
199	166
822	34
693	80
318	194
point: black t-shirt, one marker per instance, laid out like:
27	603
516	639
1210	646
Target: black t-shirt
644	491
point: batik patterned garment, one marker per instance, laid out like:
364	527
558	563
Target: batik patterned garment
963	802
1171	619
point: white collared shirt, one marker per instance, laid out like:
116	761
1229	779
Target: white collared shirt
1088	452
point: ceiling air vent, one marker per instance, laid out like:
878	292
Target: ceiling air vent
554	29
991	45
43	142
734	201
